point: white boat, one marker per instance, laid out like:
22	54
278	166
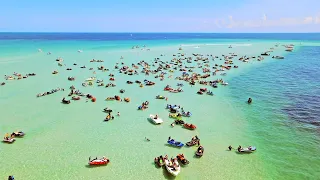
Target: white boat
155	120
169	166
8	140
80	51
249	149
91	79
224	83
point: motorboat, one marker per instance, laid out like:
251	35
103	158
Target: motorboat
199	151
189	126
175	143
91	79
160	161
18	134
155	120
192	142
172	167
182	159
97	162
64	101
186	114
249	149
8	140
210	93
278	57
160	97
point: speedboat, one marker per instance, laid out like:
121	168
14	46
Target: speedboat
249	149
155	120
97	162
186	114
8	140
210	93
175	143
189	126
182	159
278	57
160	97
159	161
172	167
91	79
18	134
199	151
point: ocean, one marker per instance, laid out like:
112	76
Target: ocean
282	122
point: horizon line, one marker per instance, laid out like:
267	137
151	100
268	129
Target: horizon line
163	32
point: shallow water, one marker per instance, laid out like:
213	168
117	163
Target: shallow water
282	120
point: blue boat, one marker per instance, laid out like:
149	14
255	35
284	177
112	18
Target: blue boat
175	143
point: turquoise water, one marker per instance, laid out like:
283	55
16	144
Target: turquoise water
60	138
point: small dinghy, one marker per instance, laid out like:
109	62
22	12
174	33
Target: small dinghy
97	162
199	151
155	119
172	167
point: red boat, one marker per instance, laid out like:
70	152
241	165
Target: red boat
97	162
189	126
111	79
75	98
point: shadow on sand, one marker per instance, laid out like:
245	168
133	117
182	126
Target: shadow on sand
88	166
166	174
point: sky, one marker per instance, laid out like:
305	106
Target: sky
160	16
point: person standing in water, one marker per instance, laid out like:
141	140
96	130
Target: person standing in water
230	147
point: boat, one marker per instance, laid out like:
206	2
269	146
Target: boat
175	115
127	99
160	97
76	98
159	161
97	162
278	57
200	92
175	143
224	83
64	101
155	120
172	167
18	134
249	149
179	121
107	110
109	117
265	54
8	140
189	126
210	93
192	142
91	79
199	151
182	159
186	114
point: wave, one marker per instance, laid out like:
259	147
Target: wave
190	45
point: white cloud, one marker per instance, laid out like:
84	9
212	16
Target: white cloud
264	21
